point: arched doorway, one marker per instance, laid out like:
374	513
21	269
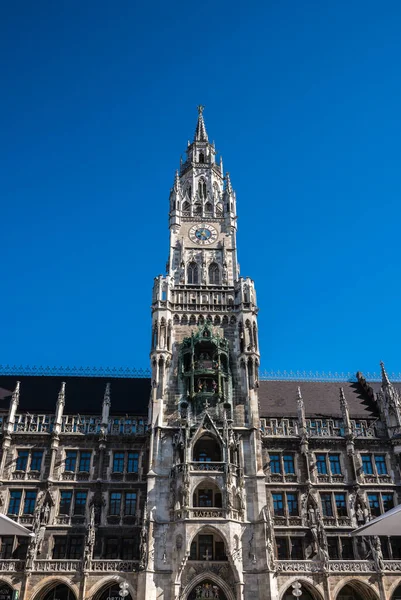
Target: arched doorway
6	591
308	592
396	595
60	592
111	591
356	590
207	589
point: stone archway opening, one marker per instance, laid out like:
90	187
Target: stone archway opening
6	591
111	591
308	592
58	592
356	590
396	595
206	589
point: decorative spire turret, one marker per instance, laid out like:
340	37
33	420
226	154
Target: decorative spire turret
345	413
385	379
106	405
200	132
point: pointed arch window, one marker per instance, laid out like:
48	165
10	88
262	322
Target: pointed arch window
202	189
214	274
208	209
192	273
186	207
201	157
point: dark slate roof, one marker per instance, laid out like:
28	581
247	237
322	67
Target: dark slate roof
279	399
83	395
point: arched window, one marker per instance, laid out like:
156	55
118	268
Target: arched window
208	545
60	592
197	208
207	495
201	157
208	209
192	273
207	449
214	274
202	189
111	591
186	207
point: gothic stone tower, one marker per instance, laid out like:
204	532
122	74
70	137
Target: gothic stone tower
208	531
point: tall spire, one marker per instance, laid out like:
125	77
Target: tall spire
200	132
385	380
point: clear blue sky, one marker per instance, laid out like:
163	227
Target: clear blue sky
98	100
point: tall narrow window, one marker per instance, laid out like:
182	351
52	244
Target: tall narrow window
289	467
335	466
341	505
367	464
321	464
65	502
132	466
80	503
278	505
381	467
15	502
374	504
76	548
84	462
388	501
214	274
327	508
192	273
22	460
118	462
29	503
36	460
115	503
130	503
292	503
70	460
275	466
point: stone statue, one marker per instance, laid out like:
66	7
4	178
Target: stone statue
377	553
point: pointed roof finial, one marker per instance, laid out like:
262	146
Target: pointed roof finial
229	187
15	396
200	132
343	399
177	182
106	397
61	394
385	380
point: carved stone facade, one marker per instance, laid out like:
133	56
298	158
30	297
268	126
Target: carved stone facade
203	481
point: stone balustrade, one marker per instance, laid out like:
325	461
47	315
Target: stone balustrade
12	565
57	566
113	566
81	424
335	566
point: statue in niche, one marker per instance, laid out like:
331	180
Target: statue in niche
377	553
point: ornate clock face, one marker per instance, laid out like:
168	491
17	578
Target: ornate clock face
203	234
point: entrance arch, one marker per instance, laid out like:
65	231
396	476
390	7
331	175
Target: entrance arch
59	592
355	589
208	583
110	591
309	591
55	588
6	591
396	595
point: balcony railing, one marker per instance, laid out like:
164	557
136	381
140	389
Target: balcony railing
113	566
12	565
361	428
57	566
207	466
335	566
84	424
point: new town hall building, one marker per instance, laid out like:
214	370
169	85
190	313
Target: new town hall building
200	481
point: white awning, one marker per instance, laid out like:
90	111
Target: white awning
10	527
387	524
